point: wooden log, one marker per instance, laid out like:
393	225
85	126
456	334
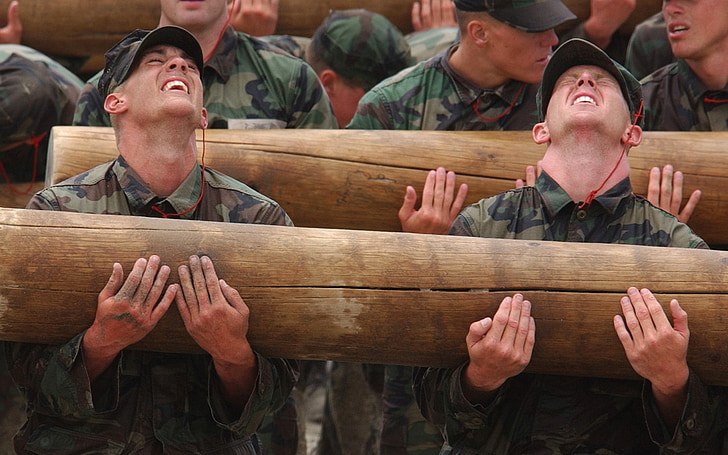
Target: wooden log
363	296
82	28
21	194
356	179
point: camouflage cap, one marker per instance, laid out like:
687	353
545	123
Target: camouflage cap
361	46
577	52
527	15
30	100
122	58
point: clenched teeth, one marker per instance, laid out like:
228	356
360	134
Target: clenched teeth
176	85
584	99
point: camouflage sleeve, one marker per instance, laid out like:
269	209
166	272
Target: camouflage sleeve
703	427
53	378
309	104
273	385
428	43
90	106
648	49
371	113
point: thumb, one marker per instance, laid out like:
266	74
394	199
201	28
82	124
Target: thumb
679	318
114	283
408	206
477	331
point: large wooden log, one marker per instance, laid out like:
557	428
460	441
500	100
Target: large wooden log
356	179
361	295
83	28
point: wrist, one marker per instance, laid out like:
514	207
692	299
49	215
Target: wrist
598	33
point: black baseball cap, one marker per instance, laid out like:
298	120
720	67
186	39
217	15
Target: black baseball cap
527	15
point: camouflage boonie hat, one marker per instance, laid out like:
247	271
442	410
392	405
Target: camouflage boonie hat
30	103
361	46
527	15
578	52
122	58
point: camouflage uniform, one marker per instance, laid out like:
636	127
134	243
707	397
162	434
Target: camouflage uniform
36	93
648	49
555	414
677	100
145	402
247	83
432	96
426	44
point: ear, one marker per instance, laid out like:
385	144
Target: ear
478	32
203	119
115	104
632	136
541	133
329	79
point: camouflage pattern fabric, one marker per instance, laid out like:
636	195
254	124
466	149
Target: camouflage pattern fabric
648	49
677	100
426	44
247	83
145	401
552	414
432	96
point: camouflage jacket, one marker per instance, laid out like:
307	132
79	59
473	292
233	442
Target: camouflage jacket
247	83
677	100
432	96
558	414
145	402
648	49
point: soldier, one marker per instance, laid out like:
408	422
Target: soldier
590	107
691	94
92	395
351	51
248	83
648	49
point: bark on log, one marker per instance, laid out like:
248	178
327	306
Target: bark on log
83	28
363	296
350	179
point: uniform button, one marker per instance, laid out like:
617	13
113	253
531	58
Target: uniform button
581	215
690	424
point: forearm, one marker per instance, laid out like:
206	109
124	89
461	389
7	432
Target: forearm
237	380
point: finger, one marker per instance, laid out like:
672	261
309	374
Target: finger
679	318
435	12
457	206
519	183
426	14
439	193
523	329
408	206
164	304
666	188
147	282
676	196
188	289
429	189
514	319
128	289
198	281
233	297
653	187
630	318
500	320
416	20
449	190
182	306
156	291
114	283
211	281
656	313
641	312
622	333
530	175
478	330
687	211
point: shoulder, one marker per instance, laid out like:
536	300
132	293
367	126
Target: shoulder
91	185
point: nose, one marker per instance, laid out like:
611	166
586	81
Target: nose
671	8
177	63
548	38
586	78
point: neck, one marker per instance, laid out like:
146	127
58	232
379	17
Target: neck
163	161
476	69
581	165
712	70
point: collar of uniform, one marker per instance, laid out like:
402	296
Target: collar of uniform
141	197
557	199
469	92
694	87
223	58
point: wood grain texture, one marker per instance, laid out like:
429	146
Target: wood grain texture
83	28
349	179
363	296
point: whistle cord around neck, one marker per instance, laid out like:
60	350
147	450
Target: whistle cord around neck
513	103
36	140
587	202
202	188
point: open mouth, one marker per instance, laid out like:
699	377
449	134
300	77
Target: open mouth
585	100
176	85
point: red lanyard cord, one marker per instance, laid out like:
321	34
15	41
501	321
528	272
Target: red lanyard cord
587	202
202	188
36	143
513	103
